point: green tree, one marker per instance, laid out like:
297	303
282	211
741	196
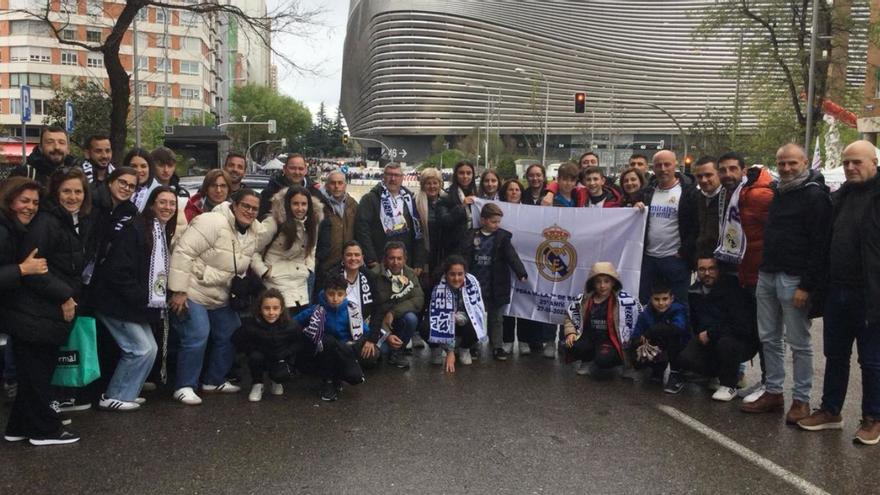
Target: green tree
337	129
91	110
261	103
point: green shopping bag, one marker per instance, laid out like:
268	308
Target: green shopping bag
78	359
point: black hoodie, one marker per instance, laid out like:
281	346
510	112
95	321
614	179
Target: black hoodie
795	239
39	168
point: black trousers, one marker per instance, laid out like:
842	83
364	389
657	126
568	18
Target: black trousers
590	348
338	361
719	358
259	362
668	339
31	415
511	325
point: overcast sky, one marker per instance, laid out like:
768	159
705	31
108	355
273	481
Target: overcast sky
322	51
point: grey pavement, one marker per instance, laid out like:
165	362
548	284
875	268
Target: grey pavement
528	425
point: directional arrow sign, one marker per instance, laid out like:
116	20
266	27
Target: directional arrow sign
403	153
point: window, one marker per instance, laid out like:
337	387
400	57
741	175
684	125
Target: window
35	80
30	54
190	115
68	34
192	44
162	64
94	8
143	62
161	41
30	5
161	17
68	6
69	57
189	67
142	14
189	18
93	36
28	28
15	106
142	40
190	92
40	107
163	90
68	81
95	60
141	88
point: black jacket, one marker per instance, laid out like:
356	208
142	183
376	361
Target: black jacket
279	340
688	224
849	206
39	168
453	219
120	286
796	235
11	234
708	213
369	233
504	259
871	257
34	311
276	184
724	311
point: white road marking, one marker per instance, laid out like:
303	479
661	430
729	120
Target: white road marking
775	469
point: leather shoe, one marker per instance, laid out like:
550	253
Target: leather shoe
798	411
765	404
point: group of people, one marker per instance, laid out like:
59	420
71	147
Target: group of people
302	278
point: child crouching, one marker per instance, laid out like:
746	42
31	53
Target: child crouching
273	341
334	338
661	334
599	325
457	314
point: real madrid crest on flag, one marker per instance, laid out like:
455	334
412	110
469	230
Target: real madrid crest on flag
556	257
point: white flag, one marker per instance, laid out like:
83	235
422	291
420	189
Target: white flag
817	159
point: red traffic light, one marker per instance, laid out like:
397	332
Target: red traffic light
580	102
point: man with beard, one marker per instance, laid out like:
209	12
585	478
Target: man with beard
99	154
53	152
235	167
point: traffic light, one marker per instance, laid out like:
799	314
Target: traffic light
580	102
345	139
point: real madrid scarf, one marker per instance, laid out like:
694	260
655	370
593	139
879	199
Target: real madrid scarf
442	311
392	213
363	284
400	284
158	278
628	310
315	330
732	241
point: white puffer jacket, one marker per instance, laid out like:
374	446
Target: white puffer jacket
202	264
290	267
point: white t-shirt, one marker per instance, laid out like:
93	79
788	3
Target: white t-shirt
353	293
663	236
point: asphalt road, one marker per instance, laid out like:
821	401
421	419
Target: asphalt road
528	425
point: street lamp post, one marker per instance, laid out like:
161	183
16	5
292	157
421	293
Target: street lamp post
546	107
811	85
684	140
488	104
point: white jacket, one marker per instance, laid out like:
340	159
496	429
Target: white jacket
290	267
202	263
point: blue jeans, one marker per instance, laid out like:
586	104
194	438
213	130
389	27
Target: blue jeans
195	327
845	323
138	348
404	326
671	270
778	319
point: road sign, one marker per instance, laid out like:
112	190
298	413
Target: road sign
25	104
68	113
403	153
394	153
272	126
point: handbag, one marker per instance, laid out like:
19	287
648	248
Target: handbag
78	359
244	287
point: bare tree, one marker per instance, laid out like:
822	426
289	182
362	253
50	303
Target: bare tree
288	18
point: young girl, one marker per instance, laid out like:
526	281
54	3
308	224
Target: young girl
273	341
457	313
599	325
489	184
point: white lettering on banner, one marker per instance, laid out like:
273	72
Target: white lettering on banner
559	245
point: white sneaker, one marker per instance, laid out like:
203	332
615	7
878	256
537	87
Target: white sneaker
724	394
276	388
524	349
752	397
464	356
187	396
117	405
140	400
437	356
256	394
584	368
508	347
550	350
223	388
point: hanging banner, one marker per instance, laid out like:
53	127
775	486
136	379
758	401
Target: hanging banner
559	245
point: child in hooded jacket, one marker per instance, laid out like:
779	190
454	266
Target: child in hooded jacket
272	341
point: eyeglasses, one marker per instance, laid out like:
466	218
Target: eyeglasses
126	185
249	208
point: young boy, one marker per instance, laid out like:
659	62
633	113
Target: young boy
491	257
660	335
566	180
599	195
335	338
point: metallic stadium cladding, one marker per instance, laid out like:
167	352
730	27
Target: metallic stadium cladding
408	63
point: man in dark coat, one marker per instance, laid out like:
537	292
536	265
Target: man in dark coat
295	172
52	153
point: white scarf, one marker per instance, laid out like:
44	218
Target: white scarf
392	213
140	196
467	211
732	241
442	311
628	310
158	279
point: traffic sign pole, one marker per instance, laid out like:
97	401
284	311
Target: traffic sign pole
25	101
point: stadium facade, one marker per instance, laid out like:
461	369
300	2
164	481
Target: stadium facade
414	69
